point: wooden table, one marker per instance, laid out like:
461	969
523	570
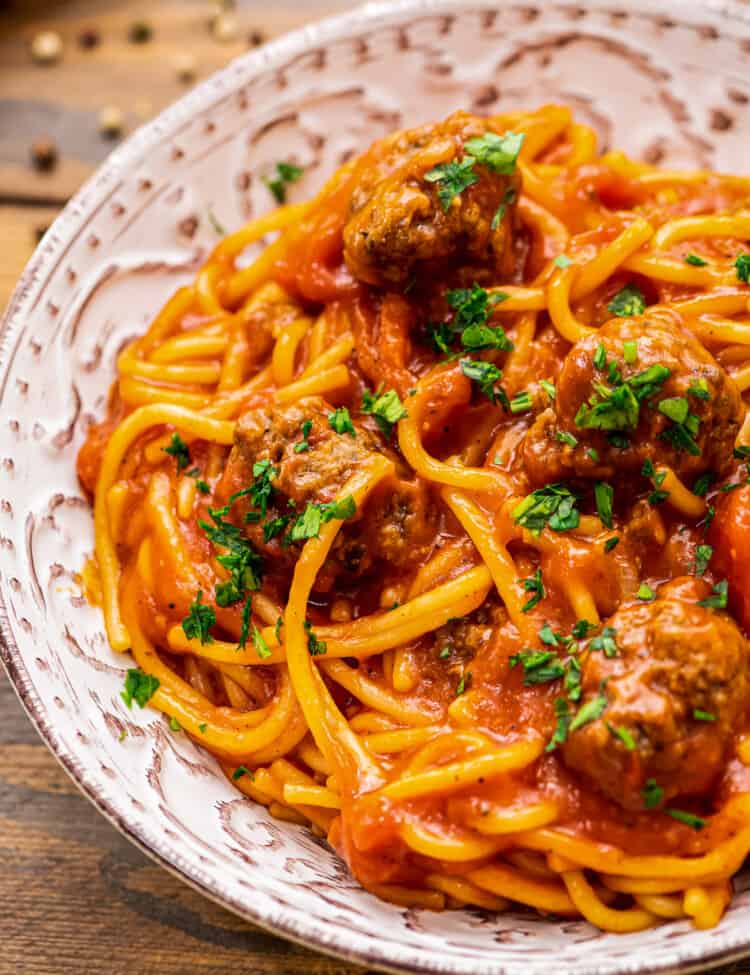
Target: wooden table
75	897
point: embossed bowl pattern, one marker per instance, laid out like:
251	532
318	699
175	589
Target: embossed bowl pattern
667	82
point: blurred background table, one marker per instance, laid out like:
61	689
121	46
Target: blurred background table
75	897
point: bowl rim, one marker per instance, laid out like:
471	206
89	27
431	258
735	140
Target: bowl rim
67	225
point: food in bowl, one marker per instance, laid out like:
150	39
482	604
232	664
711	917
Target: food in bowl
429	521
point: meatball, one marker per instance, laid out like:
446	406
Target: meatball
402	221
639	389
311	462
675	692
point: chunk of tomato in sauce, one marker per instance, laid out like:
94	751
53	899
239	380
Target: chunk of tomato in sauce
730	536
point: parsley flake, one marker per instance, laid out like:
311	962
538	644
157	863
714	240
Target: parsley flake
452	178
652	794
387	409
285	173
179	450
534	585
139	687
627	302
718	599
199	621
341	421
553	505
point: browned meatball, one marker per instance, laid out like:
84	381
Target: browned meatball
639	389
396	525
399	224
677	688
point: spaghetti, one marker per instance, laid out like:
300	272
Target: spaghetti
429	521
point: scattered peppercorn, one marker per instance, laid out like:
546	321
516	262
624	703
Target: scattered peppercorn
185	66
225	28
255	38
47	47
111	122
44	154
140	32
89	38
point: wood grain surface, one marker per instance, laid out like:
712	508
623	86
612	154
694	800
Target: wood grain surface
75	896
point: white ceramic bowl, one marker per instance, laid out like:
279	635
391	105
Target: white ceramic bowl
670	84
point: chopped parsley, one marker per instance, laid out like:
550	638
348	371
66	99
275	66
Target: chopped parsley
497	152
386	408
199	621
606	641
549	388
623	735
547	636
277	628
179	450
275	526
611	544
539	666
139	687
695	260
240	771
703	715
285	173
521	403
315	647
219	229
553	505
261	647
567	438
486	375
589	712
202	486
477	338
304	445
630	351
718	599
742	267
452	178
174	724
535	585
645	592
700	389
472	308
703	554
562	261
689	819
685	425
243	563
508	197
309	523
652	794
627	302
562	713
245	623
617	407
603	496
202	728
341	421
581	629
703	483
464	684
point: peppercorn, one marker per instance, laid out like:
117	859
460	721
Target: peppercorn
47	47
44	154
89	38
140	32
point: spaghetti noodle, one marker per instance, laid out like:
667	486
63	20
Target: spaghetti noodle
429	521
